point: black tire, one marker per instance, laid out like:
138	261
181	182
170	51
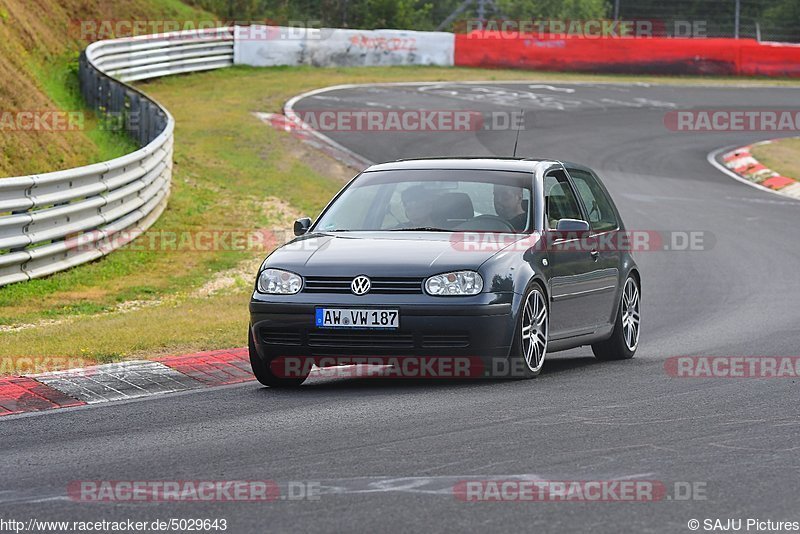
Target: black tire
518	366
617	347
263	372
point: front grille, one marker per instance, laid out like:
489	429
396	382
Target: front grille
361	339
341	284
445	341
280	337
336	342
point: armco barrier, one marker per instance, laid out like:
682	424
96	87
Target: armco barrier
628	55
43	217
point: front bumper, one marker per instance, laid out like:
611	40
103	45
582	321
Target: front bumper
477	327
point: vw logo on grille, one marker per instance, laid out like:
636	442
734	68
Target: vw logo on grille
360	285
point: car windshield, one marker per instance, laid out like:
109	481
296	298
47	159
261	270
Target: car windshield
433	200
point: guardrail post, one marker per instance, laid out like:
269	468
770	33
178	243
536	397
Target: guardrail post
18	212
134	115
144	121
105	96
83	76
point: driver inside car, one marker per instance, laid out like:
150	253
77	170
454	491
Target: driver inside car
508	205
418	205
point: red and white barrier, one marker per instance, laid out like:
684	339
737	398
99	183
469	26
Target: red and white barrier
266	46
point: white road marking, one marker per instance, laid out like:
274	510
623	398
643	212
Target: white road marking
552	88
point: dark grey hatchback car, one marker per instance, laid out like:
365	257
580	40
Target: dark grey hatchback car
489	262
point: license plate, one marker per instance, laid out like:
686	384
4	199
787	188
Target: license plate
357	318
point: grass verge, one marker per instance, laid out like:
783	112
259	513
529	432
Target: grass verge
782	156
39	45
59	80
231	173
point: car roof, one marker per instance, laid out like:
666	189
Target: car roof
462	163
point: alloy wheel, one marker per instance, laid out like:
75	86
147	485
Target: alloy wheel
630	314
535	323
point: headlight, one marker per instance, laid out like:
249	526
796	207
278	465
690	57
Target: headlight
277	282
455	283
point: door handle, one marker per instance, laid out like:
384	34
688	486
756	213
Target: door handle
594	254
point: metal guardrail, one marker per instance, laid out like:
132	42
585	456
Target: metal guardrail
53	221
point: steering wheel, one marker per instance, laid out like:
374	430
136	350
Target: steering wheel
474	224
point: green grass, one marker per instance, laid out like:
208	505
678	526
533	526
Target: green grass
227	163
38	59
59	80
178	327
782	156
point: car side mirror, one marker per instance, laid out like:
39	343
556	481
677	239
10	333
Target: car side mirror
302	225
572	225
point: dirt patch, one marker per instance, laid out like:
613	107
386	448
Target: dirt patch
280	211
321	162
283	215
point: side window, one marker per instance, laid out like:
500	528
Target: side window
560	201
597	204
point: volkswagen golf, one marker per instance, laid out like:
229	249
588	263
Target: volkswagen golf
500	261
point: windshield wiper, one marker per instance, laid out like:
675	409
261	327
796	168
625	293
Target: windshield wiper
421	229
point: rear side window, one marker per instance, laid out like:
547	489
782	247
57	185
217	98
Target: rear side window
595	200
560	201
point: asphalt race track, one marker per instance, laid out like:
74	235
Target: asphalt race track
387	452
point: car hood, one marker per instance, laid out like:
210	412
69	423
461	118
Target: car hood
407	254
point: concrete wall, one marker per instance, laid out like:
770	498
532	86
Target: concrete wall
263	46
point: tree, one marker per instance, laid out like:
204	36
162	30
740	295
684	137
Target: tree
554	9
